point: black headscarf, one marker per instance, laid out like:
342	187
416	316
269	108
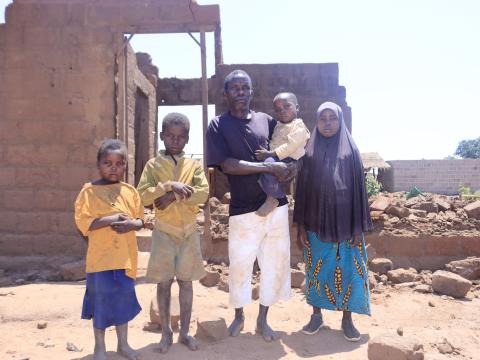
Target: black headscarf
331	198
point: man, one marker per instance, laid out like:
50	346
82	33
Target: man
232	140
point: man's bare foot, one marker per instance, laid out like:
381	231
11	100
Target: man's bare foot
165	343
188	341
236	326
314	325
127	352
267	207
266	331
99	354
349	331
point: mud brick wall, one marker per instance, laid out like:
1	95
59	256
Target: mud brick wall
62	93
436	176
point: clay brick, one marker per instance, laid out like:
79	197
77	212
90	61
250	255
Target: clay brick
41	131
36	176
403	245
470	246
9	130
18	199
73	178
32	222
441	245
52	154
51	200
7	178
8	221
75	132
63	223
45	244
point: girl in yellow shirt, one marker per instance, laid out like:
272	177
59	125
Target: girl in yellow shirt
108	211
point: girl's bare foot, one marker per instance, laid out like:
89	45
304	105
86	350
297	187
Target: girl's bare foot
127	352
188	341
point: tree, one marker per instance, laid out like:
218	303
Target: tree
469	149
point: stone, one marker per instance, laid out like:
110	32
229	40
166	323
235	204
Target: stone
413	201
303	287
399	276
42	325
376	214
400	331
255	292
398	211
210	279
431	304
394	347
174	311
73	271
297	278
428	206
226	198
423	288
468	268
445	348
371	252
72	347
418	213
380	265
473	210
152	327
383	279
443	205
372	281
213	330
450	284
381	203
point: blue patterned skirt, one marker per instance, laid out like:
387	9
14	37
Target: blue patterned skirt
110	299
336	275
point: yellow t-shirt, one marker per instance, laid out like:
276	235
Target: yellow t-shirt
107	249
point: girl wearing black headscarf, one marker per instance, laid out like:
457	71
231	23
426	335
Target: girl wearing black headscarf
331	212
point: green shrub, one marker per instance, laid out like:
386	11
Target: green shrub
373	185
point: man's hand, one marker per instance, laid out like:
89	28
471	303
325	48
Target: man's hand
263	153
165	200
182	190
302	237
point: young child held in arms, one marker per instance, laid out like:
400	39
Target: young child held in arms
108	211
175	185
288	144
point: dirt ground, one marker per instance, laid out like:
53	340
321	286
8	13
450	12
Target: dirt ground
59	304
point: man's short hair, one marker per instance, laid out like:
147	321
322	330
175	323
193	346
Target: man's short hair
175	118
233	75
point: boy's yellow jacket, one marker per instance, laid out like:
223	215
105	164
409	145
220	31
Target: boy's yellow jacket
179	218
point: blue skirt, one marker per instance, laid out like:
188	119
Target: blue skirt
336	275
110	299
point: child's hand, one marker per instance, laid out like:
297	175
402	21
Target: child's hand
263	153
165	200
181	189
127	225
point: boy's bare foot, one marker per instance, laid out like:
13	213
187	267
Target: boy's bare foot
127	352
266	331
165	343
349	331
99	354
188	341
267	207
314	325
236	326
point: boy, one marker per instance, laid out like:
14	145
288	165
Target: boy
175	185
287	145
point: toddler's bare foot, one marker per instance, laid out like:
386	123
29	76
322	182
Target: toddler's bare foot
127	352
266	331
165	343
236	326
188	341
267	207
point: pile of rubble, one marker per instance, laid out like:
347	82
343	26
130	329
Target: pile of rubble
425	214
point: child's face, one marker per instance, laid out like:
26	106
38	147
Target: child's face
112	165
174	137
328	123
285	110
